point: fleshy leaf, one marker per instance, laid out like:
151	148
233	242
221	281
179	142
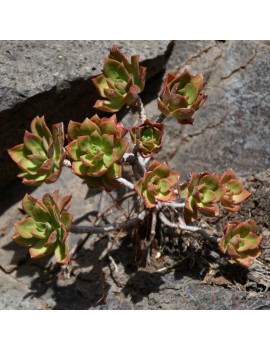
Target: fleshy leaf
208	196
66	219
62	253
39	250
33	143
24	242
211	181
235	185
24	227
40	212
101	84
28	203
115	70
183	190
241	197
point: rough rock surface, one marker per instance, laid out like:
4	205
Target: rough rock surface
53	78
231	130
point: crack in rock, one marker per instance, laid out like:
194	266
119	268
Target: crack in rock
241	67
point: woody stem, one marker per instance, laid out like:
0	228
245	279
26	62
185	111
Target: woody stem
160	118
130	223
189	228
141	110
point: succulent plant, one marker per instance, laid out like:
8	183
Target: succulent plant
120	83
234	192
46	227
240	242
96	146
181	96
157	184
41	155
147	136
202	191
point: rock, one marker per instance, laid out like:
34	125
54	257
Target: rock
185	50
232	129
53	78
16	296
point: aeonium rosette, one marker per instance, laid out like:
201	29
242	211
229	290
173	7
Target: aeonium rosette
157	184
147	136
201	192
41	155
96	146
234	192
181	96
241	242
120	83
46	227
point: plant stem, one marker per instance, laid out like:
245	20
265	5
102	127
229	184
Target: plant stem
138	167
100	214
141	110
160	118
66	163
172	204
128	157
153	225
126	183
98	218
192	229
130	223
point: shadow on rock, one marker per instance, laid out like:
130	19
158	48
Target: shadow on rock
13	193
234	273
59	292
80	286
141	284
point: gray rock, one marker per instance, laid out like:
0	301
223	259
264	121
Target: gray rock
191	294
53	78
232	129
16	296
185	50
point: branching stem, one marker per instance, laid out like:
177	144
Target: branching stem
139	165
171	204
130	223
100	214
126	183
192	229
